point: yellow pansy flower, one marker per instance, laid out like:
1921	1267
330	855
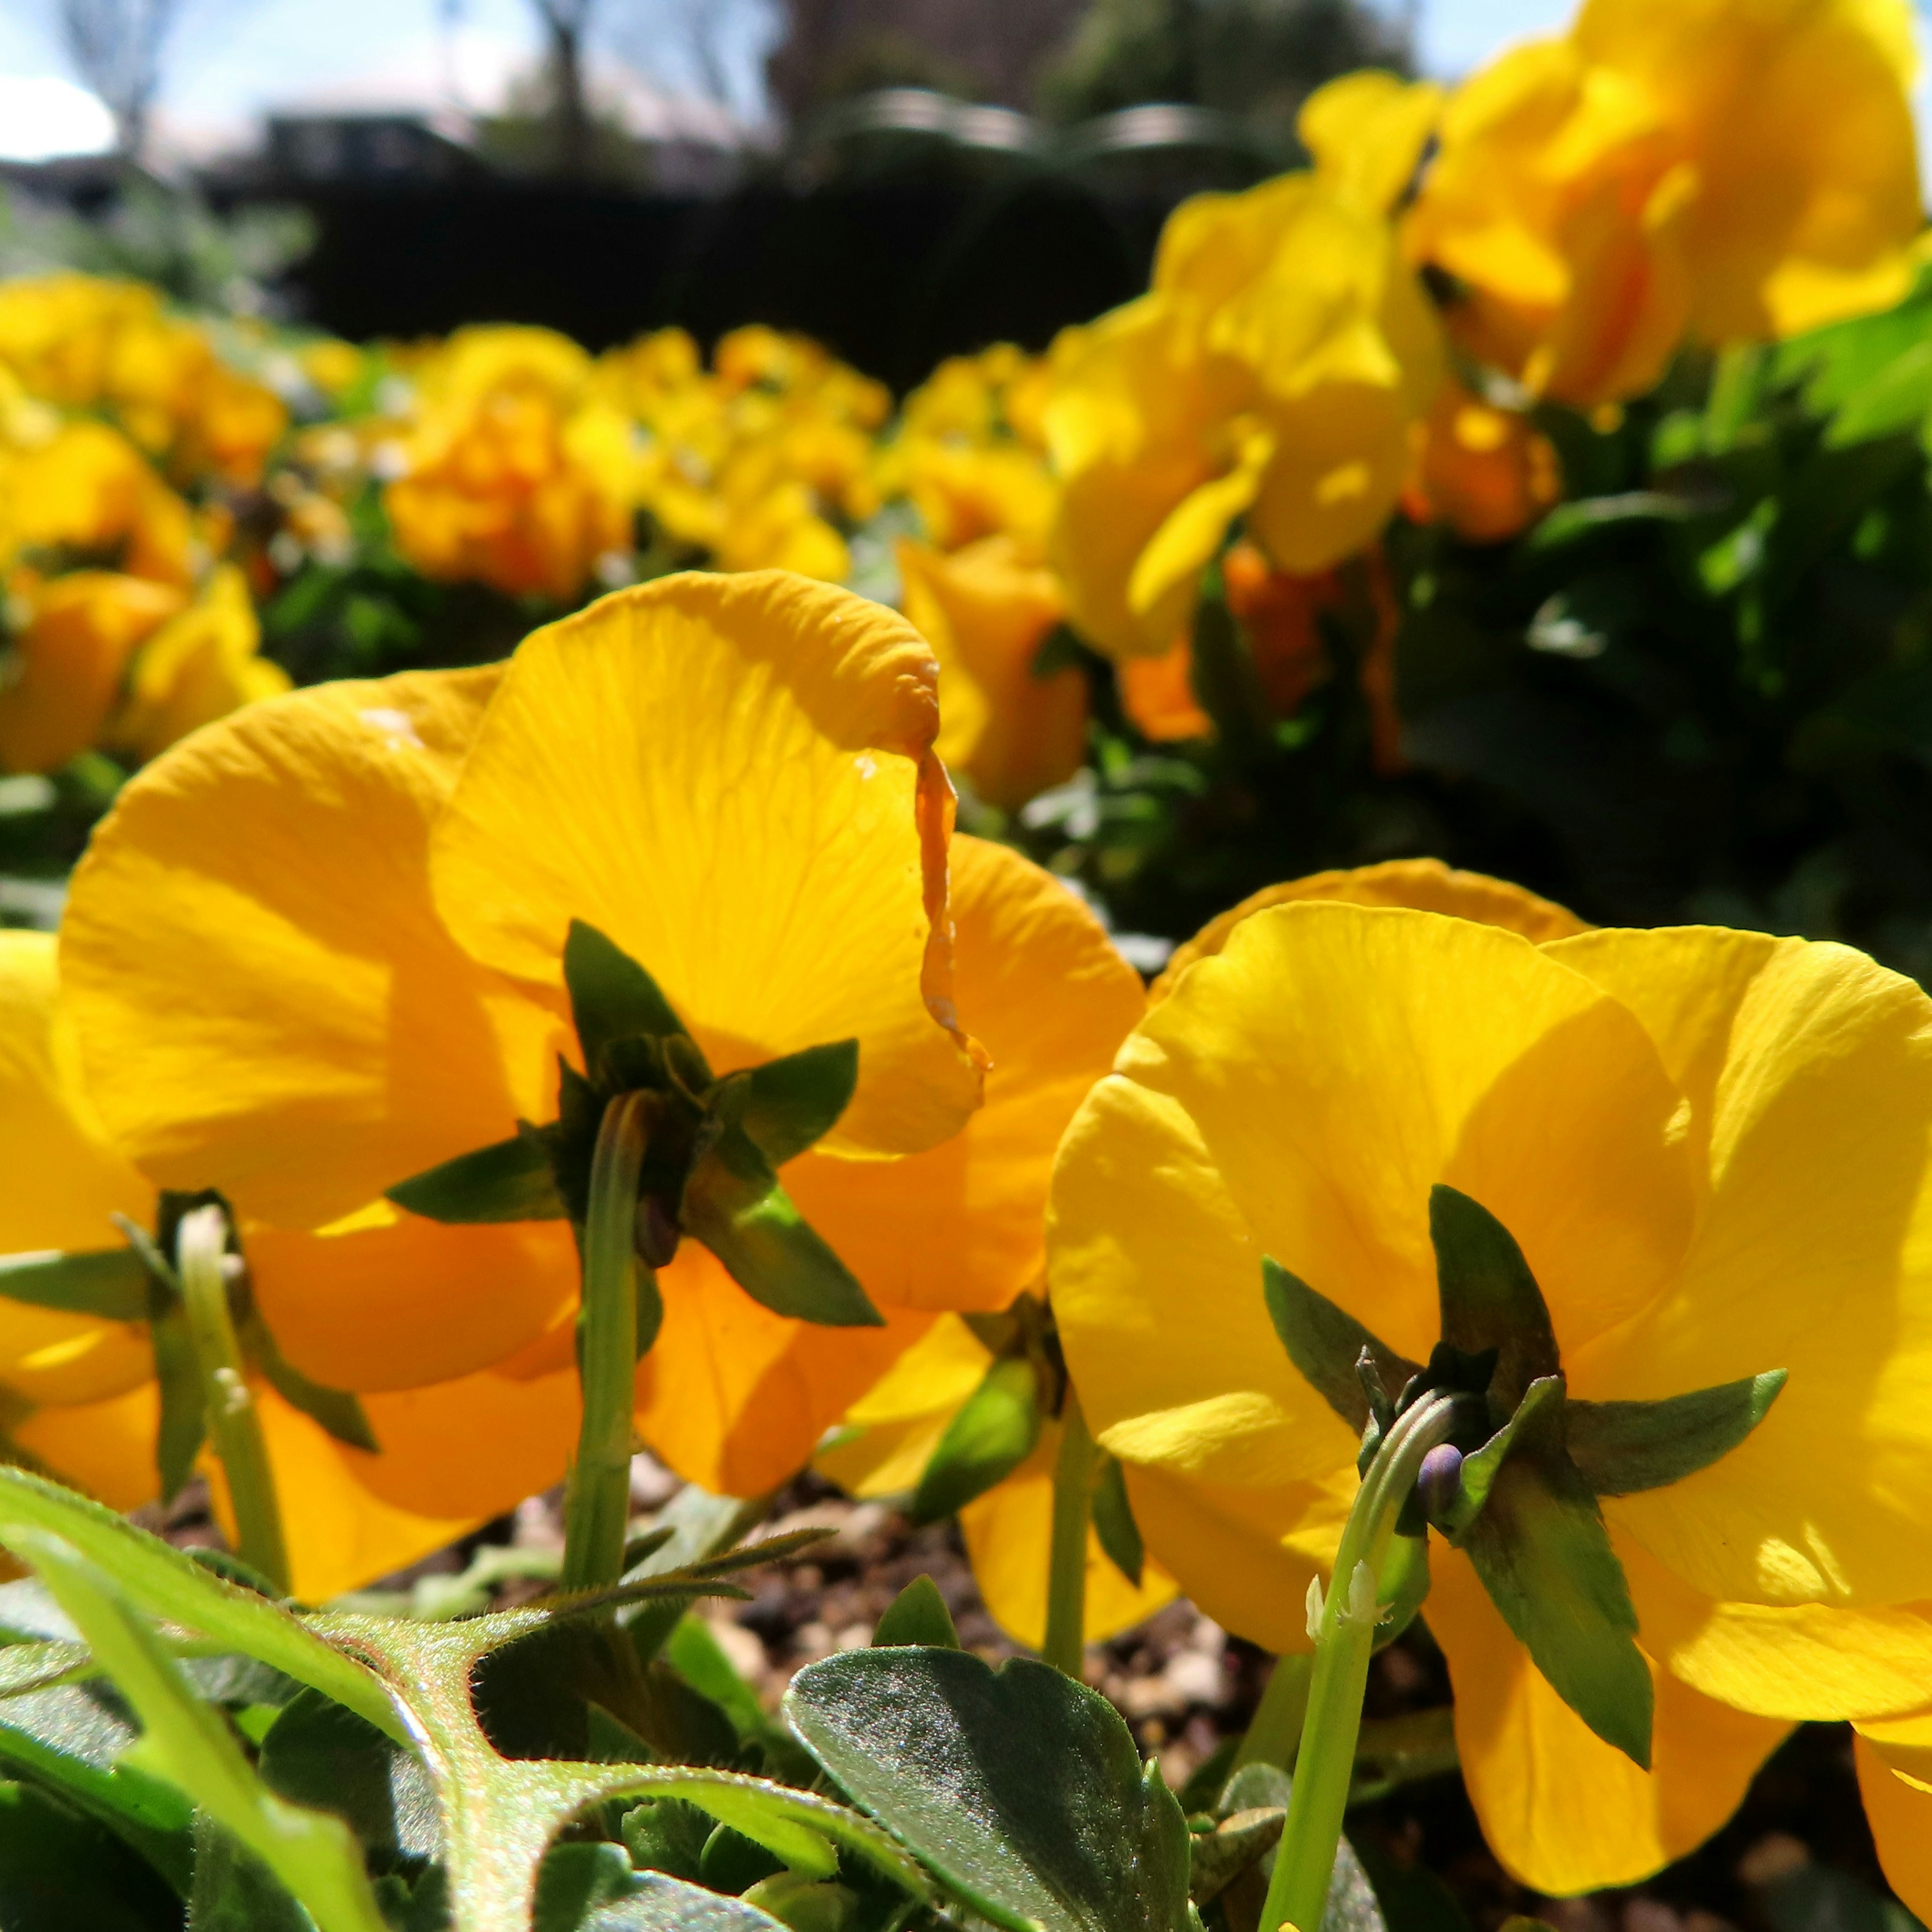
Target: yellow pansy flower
1725	170
1711	1147
80	1395
86	487
359	953
1483	471
515	472
1272	373
986	610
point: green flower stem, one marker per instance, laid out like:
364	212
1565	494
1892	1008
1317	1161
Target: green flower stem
597	1503
234	1421
1345	1639
1274	1734
1066	1568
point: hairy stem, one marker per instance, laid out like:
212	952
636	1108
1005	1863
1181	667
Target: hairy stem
1066	1568
1344	1641
597	1503
234	1420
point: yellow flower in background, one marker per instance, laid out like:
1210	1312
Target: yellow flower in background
986	610
1483	471
893	1429
1272	373
86	488
513	472
86	343
1710	1147
62	671
203	663
79	1394
780	864
1722	170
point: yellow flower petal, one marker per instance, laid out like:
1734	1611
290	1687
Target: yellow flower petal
1425	885
105	1447
1898	1808
1808	1073
1009	1533
1366	132
1563	1811
266	1002
732	778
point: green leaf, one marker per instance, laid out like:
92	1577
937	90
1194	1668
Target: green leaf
576	1880
1898	398
1325	1344
508	1180
183	1422
318	1754
793	1103
60	1872
339	1411
732	1203
234	1891
1621	1448
1481	1467
1113	1524
612	998
110	1282
167	1584
1489	1298
702	1661
1020	1790
992	1434
1238	1858
665	1904
188	1743
1542	1553
917	1615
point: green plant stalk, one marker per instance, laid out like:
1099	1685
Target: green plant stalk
597	1502
234	1420
1066	1642
1274	1734
1297	1894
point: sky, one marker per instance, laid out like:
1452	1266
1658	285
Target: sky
232	59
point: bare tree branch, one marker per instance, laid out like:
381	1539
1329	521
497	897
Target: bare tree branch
116	46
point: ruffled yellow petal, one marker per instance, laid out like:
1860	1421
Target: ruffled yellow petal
1808	1073
1424	885
64	1180
1898	1808
1366	132
1799	1661
1297	1096
963	1225
732	778
266	1001
393	1300
1009	1533
1563	1811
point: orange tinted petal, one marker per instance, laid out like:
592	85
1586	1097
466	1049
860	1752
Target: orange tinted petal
1899	1810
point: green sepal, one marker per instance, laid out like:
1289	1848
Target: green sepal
1540	1548
793	1103
612	998
1481	1466
109	1282
1622	1448
1405	1586
992	1434
183	1421
339	1411
1327	1345
1113	1519
1489	1297
508	1180
732	1203
917	1615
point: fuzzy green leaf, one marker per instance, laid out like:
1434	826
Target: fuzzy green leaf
1622	1448
318	1754
59	1869
1543	1555
917	1615
1489	1298
793	1103
1020	1790
612	998
1325	1344
992	1434
732	1203
661	1903
1113	1524
187	1742
110	1282
508	1180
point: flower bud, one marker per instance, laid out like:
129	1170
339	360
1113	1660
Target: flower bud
1439	1481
